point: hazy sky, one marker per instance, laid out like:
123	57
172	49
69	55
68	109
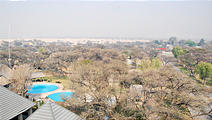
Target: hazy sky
144	18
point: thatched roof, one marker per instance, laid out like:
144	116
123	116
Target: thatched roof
5	73
37	75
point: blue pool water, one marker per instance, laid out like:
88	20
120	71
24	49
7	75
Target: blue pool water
60	96
41	88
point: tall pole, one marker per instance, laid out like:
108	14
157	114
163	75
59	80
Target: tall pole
9	46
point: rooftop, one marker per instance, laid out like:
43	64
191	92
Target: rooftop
37	75
12	104
53	111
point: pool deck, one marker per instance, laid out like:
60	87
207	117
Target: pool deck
44	96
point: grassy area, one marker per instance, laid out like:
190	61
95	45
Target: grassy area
209	82
184	70
64	80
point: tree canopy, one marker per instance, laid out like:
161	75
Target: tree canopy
190	43
204	70
177	51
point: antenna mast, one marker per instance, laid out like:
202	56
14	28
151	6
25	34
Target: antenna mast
9	46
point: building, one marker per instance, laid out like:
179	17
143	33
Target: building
37	75
53	111
136	91
14	106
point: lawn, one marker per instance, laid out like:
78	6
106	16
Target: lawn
184	70
64	80
209	82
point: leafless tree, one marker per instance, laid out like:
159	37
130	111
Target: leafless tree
98	92
21	79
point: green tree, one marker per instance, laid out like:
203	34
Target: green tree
192	57
157	42
148	64
145	64
190	43
177	51
201	42
156	63
204	70
42	50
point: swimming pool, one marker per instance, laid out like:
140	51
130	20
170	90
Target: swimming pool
42	88
60	96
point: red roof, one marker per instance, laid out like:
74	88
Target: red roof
161	48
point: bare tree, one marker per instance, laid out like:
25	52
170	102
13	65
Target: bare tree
98	92
21	79
169	94
192	57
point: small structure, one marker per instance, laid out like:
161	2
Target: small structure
168	54
12	105
129	61
136	91
53	111
37	75
5	73
88	98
